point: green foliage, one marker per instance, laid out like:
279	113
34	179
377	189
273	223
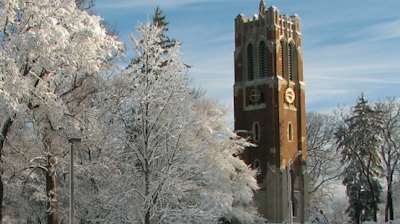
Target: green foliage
160	20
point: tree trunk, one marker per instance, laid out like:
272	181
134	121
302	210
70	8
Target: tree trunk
52	194
4	131
391	210
389	214
147	193
147	217
357	215
372	190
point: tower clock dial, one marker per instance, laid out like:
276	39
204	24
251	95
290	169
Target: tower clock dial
290	95
255	96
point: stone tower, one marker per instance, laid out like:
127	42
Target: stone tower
269	101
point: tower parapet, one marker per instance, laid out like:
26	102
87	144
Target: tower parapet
283	25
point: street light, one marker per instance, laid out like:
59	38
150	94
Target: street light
71	184
290	195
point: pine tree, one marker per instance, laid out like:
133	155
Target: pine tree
160	20
358	140
164	42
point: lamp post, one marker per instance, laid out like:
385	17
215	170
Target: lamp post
290	195
71	184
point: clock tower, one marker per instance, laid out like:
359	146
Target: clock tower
269	107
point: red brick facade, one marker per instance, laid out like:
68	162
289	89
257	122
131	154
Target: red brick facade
269	102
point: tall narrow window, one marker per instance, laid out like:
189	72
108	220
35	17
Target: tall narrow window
290	68
263	59
292	61
283	58
250	62
256	132
290	132
270	62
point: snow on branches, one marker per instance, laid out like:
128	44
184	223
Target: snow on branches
48	47
174	155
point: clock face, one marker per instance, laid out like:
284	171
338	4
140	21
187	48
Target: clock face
255	96
290	95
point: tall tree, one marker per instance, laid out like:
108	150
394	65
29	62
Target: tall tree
357	138
322	159
172	154
49	48
390	147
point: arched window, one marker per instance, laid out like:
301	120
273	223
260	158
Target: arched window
256	132
250	62
263	59
283	50
292	61
290	131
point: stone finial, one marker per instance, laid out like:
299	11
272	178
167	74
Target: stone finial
262	7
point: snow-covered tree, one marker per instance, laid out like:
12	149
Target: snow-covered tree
359	142
85	4
323	158
338	211
172	154
6	123
390	148
49	50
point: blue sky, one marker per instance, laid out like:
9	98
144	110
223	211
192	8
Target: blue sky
349	46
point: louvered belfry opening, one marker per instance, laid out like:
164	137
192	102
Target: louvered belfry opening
263	59
290	65
250	62
293	62
282	56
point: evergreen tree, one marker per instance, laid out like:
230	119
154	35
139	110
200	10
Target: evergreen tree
160	20
164	42
358	140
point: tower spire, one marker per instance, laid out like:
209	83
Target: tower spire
262	7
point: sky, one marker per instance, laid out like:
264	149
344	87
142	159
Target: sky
349	46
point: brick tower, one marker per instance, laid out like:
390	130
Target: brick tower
269	101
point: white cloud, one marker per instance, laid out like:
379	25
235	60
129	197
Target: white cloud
382	31
336	73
